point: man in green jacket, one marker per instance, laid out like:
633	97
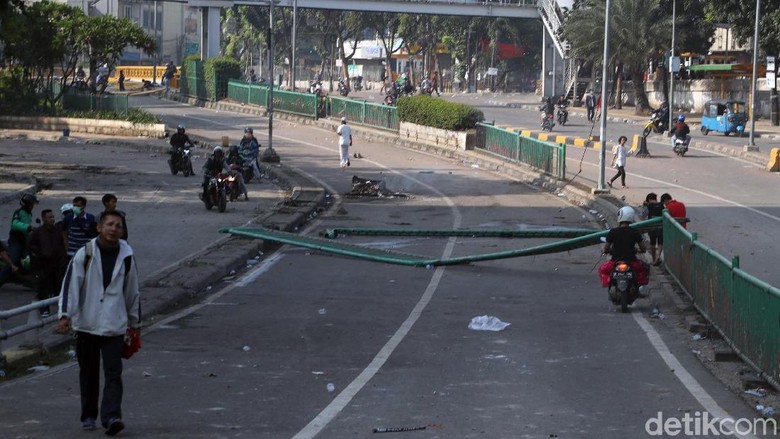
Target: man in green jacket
21	226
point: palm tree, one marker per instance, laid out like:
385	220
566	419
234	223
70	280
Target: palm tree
640	30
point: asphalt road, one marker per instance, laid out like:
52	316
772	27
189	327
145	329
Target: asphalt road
312	345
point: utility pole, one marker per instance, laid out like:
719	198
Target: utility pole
671	68
294	34
752	143
270	104
603	128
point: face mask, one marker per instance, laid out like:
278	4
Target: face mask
76	211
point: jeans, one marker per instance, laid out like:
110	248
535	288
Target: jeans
89	351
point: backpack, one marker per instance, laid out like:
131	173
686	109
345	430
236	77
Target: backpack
88	253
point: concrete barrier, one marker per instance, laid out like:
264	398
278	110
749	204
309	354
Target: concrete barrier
774	160
92	126
434	136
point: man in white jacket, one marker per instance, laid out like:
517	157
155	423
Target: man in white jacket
100	301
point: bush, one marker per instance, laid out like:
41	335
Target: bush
438	113
134	115
218	71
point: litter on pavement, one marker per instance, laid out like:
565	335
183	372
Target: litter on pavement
487	323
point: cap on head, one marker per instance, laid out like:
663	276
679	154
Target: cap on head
343	120
626	214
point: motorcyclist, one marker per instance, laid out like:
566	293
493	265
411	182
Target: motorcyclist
547	109
562	104
234	159
178	141
215	164
681	131
426	86
80	75
663	114
622	243
250	149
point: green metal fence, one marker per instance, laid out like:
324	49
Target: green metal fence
192	82
361	112
304	104
545	156
72	100
744	309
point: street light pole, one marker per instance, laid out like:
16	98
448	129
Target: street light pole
603	128
671	68
294	32
270	104
752	142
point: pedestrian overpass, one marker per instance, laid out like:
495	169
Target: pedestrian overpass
559	72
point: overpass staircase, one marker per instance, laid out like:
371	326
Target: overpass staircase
552	18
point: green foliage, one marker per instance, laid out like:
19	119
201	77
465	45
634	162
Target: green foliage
438	113
218	71
741	15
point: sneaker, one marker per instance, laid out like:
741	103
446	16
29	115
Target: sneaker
88	424
348	163
114	427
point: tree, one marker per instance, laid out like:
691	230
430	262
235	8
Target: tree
386	26
639	32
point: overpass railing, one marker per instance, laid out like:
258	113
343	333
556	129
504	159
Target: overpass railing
743	309
545	156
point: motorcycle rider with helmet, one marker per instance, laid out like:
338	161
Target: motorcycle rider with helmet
547	109
177	142
622	243
250	149
681	131
215	164
234	158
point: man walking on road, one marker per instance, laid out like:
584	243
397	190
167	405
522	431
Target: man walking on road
100	301
590	104
619	154
345	141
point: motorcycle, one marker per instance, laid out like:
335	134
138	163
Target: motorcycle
656	124
389	100
216	192
680	146
181	160
563	115
343	88
233	188
548	123
315	87
623	287
357	83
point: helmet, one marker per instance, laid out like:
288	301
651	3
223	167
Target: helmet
218	149
233	149
67	207
180	128
29	199
626	214
248	130
681	118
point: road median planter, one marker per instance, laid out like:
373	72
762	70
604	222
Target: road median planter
463	140
91	126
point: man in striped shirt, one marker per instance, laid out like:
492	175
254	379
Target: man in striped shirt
80	227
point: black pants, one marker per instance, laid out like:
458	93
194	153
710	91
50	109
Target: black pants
591	113
89	350
621	172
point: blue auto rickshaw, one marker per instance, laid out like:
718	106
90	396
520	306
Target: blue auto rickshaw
724	117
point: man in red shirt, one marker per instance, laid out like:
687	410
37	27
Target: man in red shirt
676	209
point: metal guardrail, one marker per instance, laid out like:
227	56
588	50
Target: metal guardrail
32	328
73	100
364	113
743	309
545	156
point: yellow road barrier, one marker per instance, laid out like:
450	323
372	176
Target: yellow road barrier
774	160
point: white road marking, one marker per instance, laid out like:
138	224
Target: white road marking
707	402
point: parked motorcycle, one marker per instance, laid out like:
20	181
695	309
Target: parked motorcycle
548	123
623	287
563	115
181	161
656	124
680	146
343	87
216	193
315	87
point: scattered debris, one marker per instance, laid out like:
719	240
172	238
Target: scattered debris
698	337
323	311
766	411
487	323
758	393
146	374
331	387
39	368
398	429
247	349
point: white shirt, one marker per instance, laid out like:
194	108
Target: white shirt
345	132
619	153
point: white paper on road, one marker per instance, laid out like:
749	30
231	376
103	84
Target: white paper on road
487	323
